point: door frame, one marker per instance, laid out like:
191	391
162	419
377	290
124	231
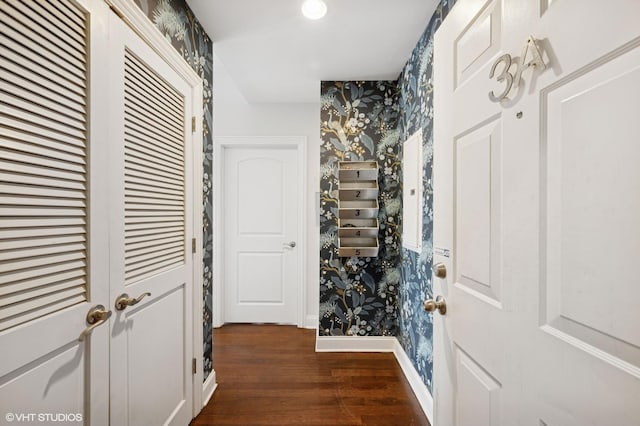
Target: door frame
220	144
138	21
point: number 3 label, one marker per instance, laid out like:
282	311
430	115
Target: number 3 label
530	49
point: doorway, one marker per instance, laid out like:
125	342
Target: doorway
261	249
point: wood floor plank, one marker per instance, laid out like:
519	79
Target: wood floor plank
271	375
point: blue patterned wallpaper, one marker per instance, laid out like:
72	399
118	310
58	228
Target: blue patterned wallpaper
180	26
364	121
358	296
416	112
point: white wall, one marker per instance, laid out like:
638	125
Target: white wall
234	116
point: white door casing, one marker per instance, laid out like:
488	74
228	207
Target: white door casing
151	224
52	239
535	197
263	213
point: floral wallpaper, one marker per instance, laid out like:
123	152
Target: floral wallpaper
179	25
416	112
359	296
364	121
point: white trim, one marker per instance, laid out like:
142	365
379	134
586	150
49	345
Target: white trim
355	344
140	23
208	388
420	390
197	256
219	145
382	344
311	322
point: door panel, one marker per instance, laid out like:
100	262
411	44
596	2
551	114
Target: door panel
537	196
151	217
261	215
477	225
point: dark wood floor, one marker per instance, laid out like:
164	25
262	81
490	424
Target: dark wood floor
271	375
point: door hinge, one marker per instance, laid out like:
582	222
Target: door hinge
193	245
193	123
194	366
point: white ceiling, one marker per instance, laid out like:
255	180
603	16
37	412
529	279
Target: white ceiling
274	54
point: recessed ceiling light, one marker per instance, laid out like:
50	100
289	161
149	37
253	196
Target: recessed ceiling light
314	9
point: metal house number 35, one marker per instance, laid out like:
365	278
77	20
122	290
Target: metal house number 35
513	80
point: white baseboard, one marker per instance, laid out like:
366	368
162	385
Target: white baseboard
311	321
355	344
420	390
208	388
382	344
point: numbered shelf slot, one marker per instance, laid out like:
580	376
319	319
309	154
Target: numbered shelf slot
358	228
358	208
358	190
358	171
364	247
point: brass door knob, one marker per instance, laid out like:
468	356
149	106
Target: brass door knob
440	304
440	270
124	300
96	316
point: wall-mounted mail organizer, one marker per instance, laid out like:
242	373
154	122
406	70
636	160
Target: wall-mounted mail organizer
358	208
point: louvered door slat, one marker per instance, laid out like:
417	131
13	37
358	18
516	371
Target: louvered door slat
138	71
8	235
40	284
159	192
42	301
165	125
144	166
28	159
151	197
70	24
38	121
47	100
136	242
43	157
141	146
19	179
41	72
41	242
152	184
41	271
69	16
44	201
139	122
150	229
37	135
40	146
27	38
154	173
155	103
45	29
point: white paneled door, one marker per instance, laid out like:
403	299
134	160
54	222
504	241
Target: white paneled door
262	255
53	241
536	198
151	211
96	221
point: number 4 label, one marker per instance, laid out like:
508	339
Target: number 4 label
530	50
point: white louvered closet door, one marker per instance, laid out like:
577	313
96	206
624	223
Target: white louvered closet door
151	215
53	242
